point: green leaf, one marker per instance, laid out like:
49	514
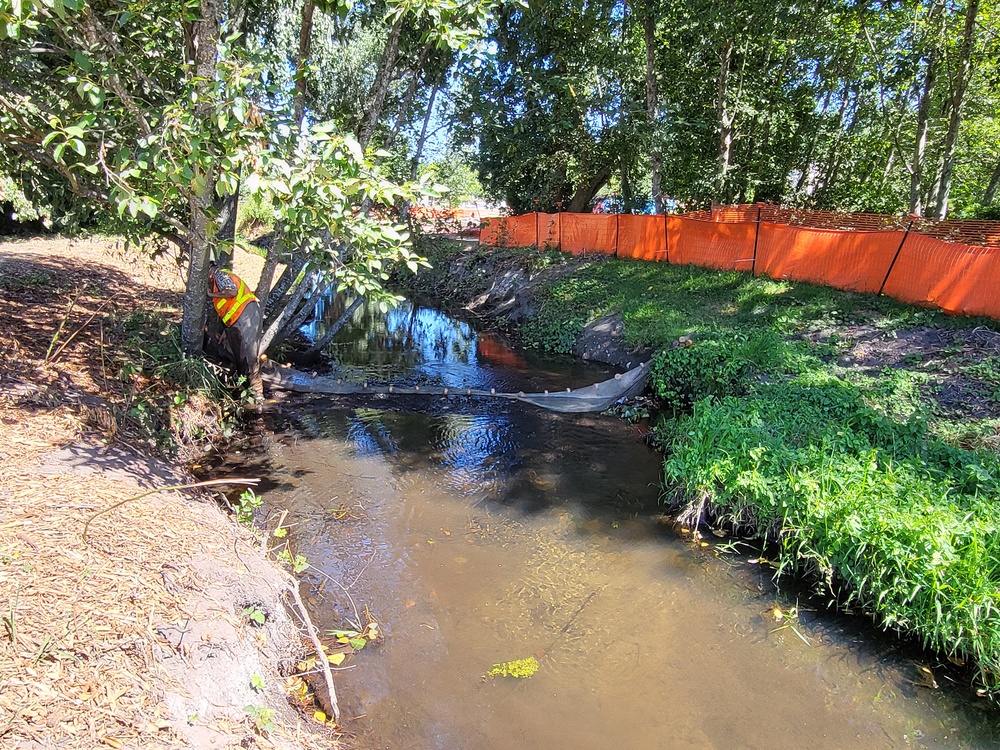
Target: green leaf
355	148
82	61
57	152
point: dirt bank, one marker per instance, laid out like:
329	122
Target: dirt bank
505	288
146	634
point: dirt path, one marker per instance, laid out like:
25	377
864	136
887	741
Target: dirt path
139	635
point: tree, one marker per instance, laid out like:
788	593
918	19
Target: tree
144	111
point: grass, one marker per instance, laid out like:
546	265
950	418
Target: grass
862	479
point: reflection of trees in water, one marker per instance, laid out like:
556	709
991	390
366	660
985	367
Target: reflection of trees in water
404	337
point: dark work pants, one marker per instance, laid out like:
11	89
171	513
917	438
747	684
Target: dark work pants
244	338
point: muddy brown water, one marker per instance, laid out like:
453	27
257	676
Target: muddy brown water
481	532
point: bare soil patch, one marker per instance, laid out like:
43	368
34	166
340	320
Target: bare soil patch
136	636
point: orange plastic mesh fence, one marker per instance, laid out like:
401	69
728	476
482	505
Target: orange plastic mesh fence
489	234
710	244
548	231
804	217
856	261
511	231
642	237
588	233
954	265
962	279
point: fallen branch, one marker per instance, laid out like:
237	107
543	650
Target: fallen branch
120	503
75	333
62	324
293	587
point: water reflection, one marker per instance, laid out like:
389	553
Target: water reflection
411	343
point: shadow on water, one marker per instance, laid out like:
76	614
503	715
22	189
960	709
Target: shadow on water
482	531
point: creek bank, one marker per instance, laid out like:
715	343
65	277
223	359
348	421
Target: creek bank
166	627
506	290
856	434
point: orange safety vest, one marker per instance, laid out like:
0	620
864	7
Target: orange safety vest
229	308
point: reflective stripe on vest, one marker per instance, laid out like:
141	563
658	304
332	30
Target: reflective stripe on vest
229	308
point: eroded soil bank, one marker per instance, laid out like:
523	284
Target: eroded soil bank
140	634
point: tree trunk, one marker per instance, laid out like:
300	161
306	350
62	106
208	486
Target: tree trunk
330	332
305	44
585	193
415	162
380	86
962	76
305	311
655	157
725	120
203	38
991	190
285	281
271	260
288	311
407	102
920	142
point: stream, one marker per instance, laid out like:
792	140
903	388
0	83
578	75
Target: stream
478	532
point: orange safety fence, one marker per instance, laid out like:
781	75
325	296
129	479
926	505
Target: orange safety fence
588	233
961	279
512	231
855	261
642	237
710	244
547	226
854	252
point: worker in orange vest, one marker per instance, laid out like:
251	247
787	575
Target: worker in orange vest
240	312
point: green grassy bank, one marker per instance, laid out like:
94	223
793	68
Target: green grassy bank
856	435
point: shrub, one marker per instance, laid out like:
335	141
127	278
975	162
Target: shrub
881	513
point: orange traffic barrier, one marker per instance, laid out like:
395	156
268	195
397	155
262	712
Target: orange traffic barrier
961	279
642	237
855	261
710	244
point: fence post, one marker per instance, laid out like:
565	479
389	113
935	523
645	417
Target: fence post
536	231
756	236
618	232
895	257
666	238
559	223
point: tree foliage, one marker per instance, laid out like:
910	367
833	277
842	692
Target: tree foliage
822	104
150	113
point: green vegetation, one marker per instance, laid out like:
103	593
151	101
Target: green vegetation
518	668
172	402
861	478
859	109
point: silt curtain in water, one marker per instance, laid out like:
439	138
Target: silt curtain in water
597	397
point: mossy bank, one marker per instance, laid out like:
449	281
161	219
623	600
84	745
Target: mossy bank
855	436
